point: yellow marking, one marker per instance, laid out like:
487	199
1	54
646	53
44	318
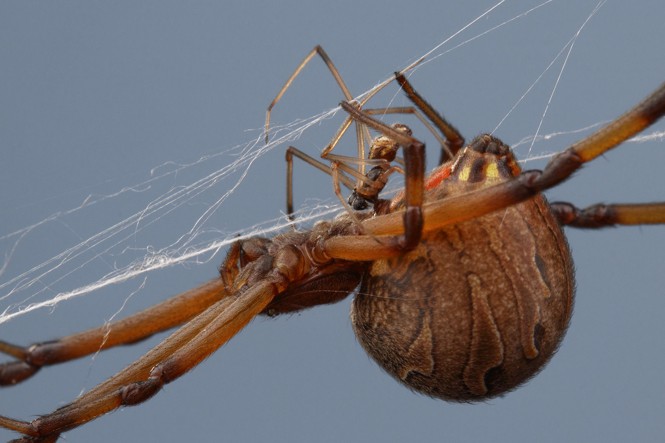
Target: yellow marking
492	171
464	174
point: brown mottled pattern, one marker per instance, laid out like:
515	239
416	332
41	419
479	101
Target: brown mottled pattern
477	308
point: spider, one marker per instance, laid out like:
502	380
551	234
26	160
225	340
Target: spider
466	280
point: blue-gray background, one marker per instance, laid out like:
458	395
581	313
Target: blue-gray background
93	95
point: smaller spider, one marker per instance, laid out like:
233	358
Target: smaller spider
466	280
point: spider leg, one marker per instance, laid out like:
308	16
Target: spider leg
333	70
176	355
632	122
414	159
603	215
292	152
340	82
139	326
339	170
454	141
382	230
448	137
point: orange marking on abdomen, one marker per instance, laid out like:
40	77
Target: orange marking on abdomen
437	176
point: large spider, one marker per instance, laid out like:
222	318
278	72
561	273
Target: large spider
466	281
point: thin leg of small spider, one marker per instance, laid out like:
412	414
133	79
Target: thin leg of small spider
331	67
453	138
362	133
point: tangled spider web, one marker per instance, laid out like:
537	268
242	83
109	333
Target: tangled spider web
125	247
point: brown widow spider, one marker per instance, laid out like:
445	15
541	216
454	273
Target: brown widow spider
466	281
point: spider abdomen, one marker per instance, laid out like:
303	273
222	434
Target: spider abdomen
475	310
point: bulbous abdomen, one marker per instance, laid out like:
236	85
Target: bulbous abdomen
476	309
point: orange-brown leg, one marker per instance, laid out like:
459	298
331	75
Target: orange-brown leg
632	122
180	352
604	215
163	316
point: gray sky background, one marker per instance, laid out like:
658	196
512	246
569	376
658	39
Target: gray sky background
95	95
